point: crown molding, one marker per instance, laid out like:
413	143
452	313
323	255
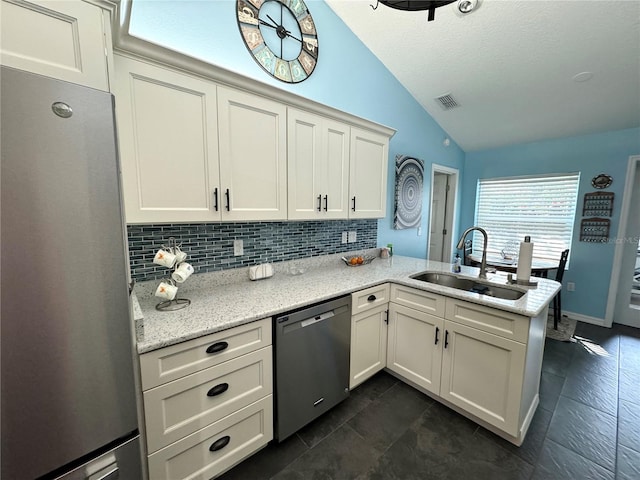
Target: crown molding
139	49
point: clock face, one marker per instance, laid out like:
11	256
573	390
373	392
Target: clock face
281	36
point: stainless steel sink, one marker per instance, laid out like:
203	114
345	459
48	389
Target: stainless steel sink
469	285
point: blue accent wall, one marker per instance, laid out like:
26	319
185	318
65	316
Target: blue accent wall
348	77
590	263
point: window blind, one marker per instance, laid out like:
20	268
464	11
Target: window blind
541	207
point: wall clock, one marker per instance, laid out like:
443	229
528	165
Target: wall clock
281	36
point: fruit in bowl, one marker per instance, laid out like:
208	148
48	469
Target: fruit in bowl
357	260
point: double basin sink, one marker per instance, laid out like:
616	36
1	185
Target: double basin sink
468	284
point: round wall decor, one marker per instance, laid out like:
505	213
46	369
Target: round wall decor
601	181
408	196
281	36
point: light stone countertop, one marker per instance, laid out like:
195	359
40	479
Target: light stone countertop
221	300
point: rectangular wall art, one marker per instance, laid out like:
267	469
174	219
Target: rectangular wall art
408	196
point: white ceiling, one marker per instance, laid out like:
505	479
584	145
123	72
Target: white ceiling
510	65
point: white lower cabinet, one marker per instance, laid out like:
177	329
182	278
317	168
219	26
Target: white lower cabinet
217	411
484	362
368	344
483	374
216	448
415	346
369	317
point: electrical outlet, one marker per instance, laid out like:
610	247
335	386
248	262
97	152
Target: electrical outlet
238	248
353	237
571	287
344	237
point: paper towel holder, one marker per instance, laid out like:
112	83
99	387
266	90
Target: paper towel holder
525	281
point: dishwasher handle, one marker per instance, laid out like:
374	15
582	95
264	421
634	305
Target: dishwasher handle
317	318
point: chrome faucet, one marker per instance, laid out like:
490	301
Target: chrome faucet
483	264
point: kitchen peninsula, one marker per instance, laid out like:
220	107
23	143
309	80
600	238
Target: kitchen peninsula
225	299
207	370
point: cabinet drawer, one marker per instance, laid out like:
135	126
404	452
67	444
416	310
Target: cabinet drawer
247	431
427	302
369	298
487	319
183	406
169	363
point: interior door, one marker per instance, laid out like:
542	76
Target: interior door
438	216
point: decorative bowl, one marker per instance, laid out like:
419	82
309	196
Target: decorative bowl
357	260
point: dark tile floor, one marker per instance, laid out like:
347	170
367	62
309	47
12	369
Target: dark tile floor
586	427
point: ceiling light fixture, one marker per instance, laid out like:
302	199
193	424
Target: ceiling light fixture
414	5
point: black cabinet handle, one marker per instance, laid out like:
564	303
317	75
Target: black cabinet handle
215	199
446	338
437	332
386	318
354	204
326	202
220	443
371	298
226	193
217	347
218	389
319	203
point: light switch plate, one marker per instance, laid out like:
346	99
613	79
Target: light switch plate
238	248
344	237
352	238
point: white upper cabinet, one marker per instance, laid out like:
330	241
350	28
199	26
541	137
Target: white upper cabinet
318	166
196	151
368	174
167	128
252	134
58	39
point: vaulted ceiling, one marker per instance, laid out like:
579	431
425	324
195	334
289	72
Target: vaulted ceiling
519	70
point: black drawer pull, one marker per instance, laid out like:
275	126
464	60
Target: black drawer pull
437	332
371	298
220	443
446	338
217	347
218	389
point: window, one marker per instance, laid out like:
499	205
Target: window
541	207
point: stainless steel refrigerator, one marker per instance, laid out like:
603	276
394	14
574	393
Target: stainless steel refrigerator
68	395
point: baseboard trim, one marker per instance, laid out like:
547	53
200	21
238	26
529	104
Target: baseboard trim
585	318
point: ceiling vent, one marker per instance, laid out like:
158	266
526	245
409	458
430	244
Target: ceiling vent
447	102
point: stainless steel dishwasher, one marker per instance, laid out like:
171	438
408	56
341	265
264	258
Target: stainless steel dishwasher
312	363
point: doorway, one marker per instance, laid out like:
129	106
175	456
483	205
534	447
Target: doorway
624	298
444	187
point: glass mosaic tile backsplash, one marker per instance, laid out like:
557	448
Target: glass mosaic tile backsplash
210	245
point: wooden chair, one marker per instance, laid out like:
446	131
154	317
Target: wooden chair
468	248
557	300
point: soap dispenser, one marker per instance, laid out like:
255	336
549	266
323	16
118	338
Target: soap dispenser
456	267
